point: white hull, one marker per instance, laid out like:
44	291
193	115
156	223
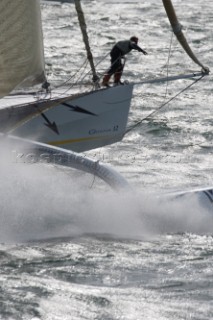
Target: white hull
80	123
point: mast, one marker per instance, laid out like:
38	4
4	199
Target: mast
83	27
177	29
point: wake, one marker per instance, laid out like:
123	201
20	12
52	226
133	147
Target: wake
40	201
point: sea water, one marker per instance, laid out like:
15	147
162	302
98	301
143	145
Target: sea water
71	248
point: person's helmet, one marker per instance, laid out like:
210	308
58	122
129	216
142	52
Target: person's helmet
134	39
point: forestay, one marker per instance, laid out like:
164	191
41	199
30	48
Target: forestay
21	45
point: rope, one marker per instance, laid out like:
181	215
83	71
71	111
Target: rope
94	176
162	106
172	98
83	66
167	65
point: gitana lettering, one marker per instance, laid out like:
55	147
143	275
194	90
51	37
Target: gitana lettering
95	131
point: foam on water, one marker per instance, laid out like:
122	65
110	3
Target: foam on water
39	202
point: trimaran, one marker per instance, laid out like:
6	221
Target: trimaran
54	121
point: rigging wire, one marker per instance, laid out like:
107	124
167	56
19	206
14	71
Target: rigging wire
162	106
39	94
172	98
167	65
73	76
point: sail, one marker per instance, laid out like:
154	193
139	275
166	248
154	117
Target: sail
21	44
177	29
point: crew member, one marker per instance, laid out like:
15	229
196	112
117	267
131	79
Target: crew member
120	49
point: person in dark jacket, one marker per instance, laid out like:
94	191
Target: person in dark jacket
120	49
